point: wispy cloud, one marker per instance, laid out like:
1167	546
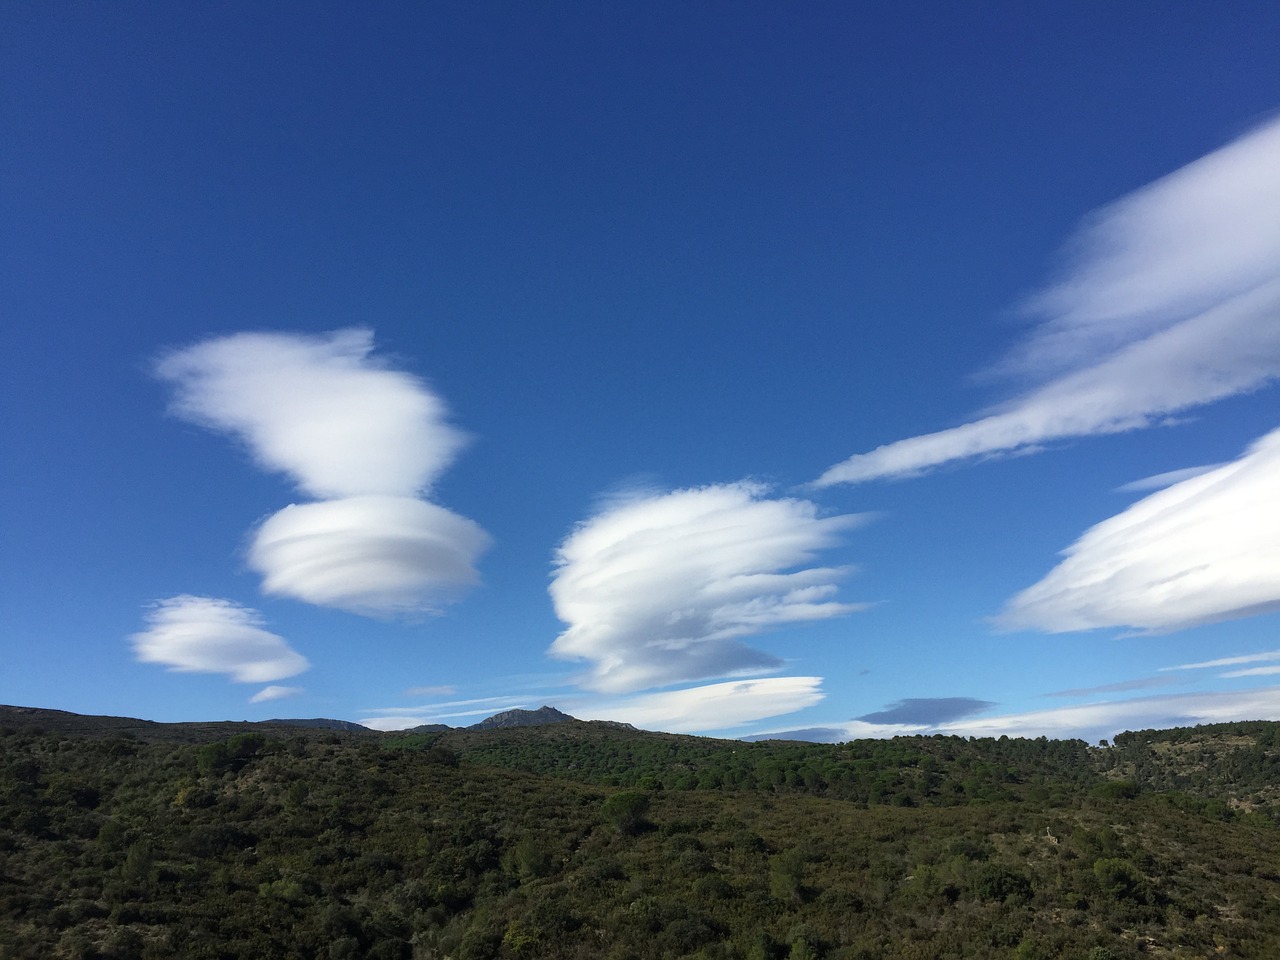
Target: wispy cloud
322	409
658	588
1162	480
713	707
401	718
1198	552
1251	672
1227	661
1144	683
440	691
274	692
1096	720
1172	300
208	635
1090	722
365	439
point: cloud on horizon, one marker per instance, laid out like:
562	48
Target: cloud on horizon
191	634
927	710
1171	301
1090	722
658	588
367	441
713	707
1200	551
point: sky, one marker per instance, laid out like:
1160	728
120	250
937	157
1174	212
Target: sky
818	370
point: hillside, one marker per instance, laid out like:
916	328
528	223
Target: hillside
590	840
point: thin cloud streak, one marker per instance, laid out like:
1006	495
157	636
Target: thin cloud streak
658	588
1162	480
1123	686
1201	551
1172	302
274	692
191	634
713	707
1227	661
1090	722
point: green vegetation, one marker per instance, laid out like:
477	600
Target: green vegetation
591	840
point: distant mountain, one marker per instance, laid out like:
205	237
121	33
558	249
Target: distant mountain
427	728
523	718
319	723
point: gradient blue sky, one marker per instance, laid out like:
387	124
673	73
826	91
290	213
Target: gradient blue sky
721	368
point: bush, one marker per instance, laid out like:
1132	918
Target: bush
626	811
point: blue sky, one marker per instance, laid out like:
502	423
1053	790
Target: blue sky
721	368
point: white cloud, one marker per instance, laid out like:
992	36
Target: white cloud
1251	672
1197	552
657	588
402	718
207	635
1162	480
1090	722
274	692
379	555
366	439
1096	720
1227	661
1173	301
717	706
319	408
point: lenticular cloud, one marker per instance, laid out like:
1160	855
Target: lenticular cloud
1172	301
1197	552
321	409
658	589
368	554
366	440
207	635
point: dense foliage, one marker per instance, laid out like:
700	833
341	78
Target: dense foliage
594	841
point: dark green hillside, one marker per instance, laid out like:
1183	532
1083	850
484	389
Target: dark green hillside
291	844
907	771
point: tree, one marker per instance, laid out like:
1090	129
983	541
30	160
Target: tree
626	811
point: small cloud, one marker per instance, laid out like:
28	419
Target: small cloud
1162	480
808	734
274	692
927	711
441	691
322	409
1169	303
192	634
369	555
717	706
1250	672
1228	661
1124	685
1197	552
658	588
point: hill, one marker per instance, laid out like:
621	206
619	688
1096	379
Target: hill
585	840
